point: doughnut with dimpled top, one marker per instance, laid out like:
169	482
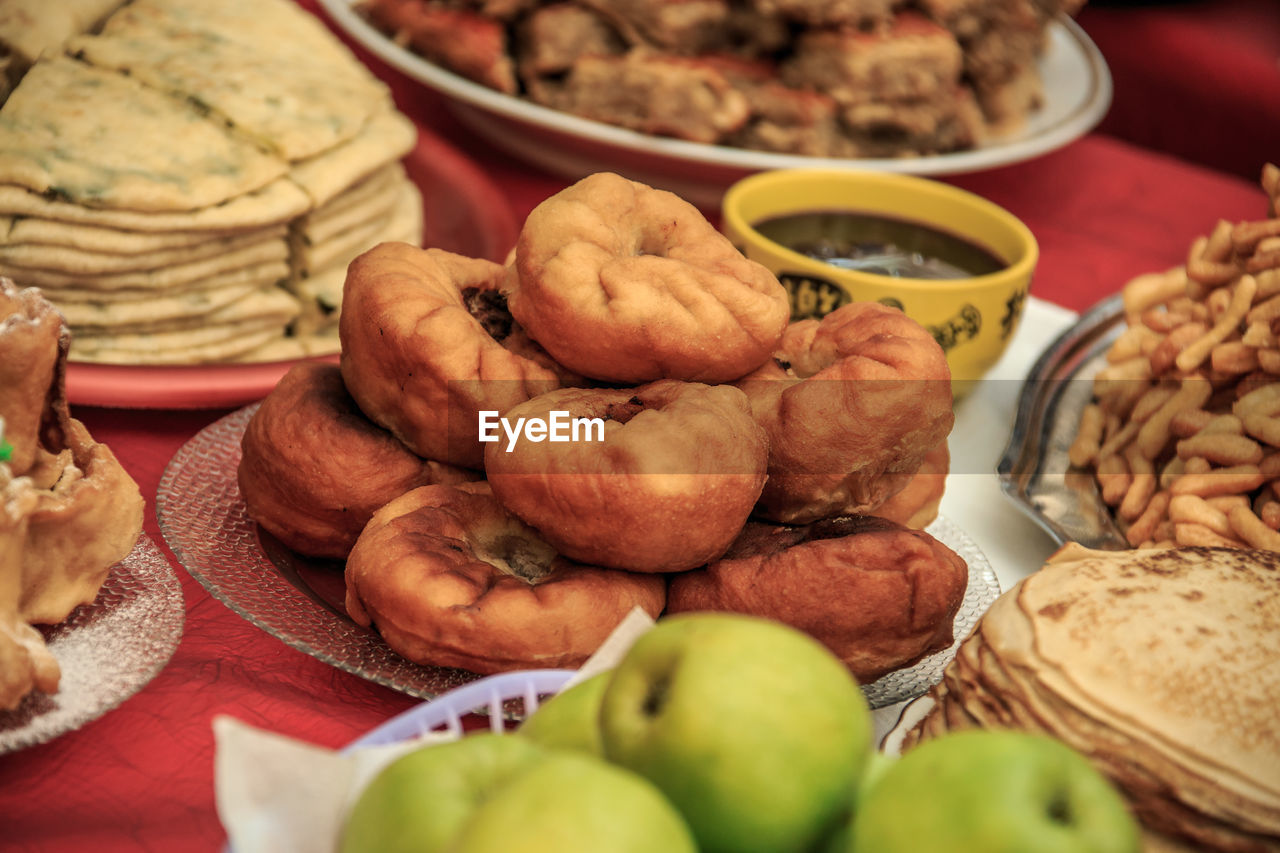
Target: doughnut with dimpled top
450	578
427	343
851	404
665	485
627	284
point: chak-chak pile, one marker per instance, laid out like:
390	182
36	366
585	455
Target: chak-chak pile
827	78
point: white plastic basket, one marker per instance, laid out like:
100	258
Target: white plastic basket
488	696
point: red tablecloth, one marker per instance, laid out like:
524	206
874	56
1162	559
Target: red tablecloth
1199	79
141	777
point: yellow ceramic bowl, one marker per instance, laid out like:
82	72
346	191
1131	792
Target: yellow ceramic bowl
972	318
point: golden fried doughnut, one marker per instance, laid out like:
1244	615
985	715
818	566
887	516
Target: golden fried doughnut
314	468
916	506
626	283
34	339
427	343
668	485
26	664
851	404
450	578
87	511
877	594
87	518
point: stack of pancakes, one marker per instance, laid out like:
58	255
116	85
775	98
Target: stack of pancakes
1160	666
188	183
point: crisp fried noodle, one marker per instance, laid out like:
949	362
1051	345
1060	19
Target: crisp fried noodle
1183	432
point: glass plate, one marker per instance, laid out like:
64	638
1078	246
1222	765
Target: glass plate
300	600
982	590
107	650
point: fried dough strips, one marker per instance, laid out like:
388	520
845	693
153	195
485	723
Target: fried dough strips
69	510
851	404
629	284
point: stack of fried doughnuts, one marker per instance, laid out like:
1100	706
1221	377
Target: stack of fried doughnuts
452	579
427	343
879	595
626	283
313	469
676	473
688	404
852	403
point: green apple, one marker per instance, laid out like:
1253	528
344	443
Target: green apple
841	838
573	802
752	728
570	720
490	792
996	792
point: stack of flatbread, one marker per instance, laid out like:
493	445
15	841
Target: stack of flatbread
1162	666
188	183
29	28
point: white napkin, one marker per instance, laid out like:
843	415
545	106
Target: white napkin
276	794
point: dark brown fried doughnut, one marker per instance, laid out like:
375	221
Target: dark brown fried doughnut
877	594
427	343
450	578
851	404
314	469
667	486
916	506
628	284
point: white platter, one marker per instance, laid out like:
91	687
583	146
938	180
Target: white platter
1077	89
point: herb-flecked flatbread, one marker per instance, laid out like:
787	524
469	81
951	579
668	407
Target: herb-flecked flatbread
387	137
101	139
189	271
100	315
105	352
334	219
270	69
36	256
270	272
278	201
29	28
340	249
28	231
187	179
262	304
295	345
380	183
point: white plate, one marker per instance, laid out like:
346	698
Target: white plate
1077	87
912	713
1014	544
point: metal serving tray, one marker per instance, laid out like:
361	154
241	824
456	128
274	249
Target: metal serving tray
1034	470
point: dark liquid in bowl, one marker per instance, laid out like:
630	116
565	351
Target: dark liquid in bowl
880	245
